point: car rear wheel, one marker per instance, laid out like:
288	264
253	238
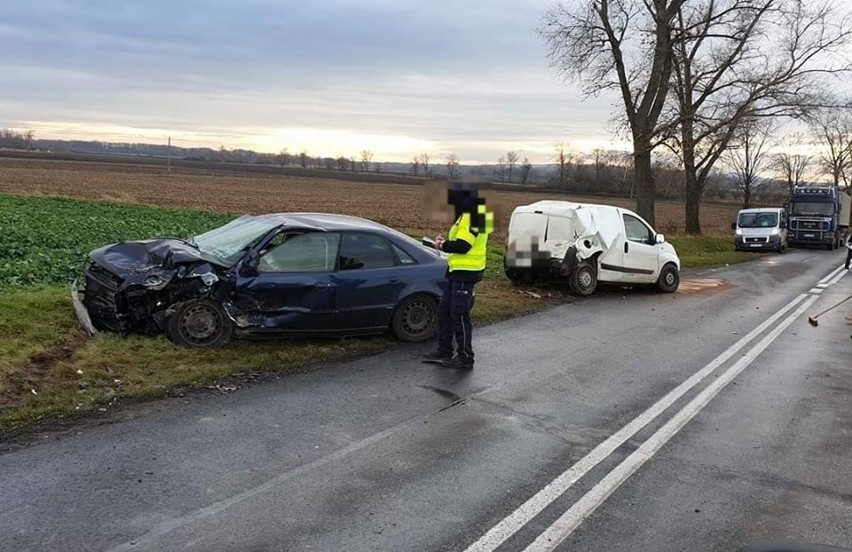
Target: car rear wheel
583	280
416	319
669	279
200	323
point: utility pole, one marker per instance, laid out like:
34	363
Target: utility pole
169	157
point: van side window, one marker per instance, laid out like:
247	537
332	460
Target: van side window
636	230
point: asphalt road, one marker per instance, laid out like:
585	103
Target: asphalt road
628	421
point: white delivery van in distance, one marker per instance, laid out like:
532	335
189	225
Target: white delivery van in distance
761	228
587	244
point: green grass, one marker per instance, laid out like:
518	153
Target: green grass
49	369
706	251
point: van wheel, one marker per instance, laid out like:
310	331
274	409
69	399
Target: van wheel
583	280
669	279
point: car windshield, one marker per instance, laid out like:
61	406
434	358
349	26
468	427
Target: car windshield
226	244
758	220
813	208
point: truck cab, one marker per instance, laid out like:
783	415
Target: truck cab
760	229
818	215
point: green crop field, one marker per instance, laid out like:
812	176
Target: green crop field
45	240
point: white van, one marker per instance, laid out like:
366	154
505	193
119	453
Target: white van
587	244
763	228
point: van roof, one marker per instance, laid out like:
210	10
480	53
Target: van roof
551	206
762	210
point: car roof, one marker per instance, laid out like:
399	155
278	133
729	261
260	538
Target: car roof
762	210
326	221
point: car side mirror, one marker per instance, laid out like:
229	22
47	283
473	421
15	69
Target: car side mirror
660	238
733	226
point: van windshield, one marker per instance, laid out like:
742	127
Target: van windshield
758	220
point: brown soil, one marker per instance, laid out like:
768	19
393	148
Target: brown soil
396	205
35	369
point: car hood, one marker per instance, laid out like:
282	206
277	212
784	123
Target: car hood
144	255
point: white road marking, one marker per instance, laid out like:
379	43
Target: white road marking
838	277
831	274
571	519
815	291
507	527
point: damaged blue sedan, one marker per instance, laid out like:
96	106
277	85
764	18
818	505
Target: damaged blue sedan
299	274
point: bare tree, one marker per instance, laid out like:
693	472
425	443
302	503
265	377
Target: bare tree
452	166
501	168
565	155
833	128
303	159
415	165
735	60
622	45
424	162
749	157
366	157
511	161
526	169
342	163
792	166
353	164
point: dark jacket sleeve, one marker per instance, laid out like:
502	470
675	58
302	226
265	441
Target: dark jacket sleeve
456	246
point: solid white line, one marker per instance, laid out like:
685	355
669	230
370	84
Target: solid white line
822	286
509	525
831	274
815	291
571	519
838	277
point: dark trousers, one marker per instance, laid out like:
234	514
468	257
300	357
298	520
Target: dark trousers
848	257
454	318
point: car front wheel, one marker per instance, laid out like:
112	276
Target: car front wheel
669	279
202	323
416	319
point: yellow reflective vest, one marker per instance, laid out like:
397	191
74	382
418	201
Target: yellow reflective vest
474	259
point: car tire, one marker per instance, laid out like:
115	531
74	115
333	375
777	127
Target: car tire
416	319
201	323
583	280
669	279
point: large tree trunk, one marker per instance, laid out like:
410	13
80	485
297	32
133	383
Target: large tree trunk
644	181
693	203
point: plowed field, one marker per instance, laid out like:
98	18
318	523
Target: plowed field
396	205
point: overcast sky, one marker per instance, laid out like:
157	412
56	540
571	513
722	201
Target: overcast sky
332	77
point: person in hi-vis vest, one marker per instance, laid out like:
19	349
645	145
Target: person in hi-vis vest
466	244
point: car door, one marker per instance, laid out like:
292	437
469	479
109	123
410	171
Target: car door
292	287
640	260
370	280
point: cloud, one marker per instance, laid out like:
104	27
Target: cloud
461	76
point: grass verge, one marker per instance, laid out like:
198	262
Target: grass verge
48	369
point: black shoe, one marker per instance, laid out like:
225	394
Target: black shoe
459	363
437	356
